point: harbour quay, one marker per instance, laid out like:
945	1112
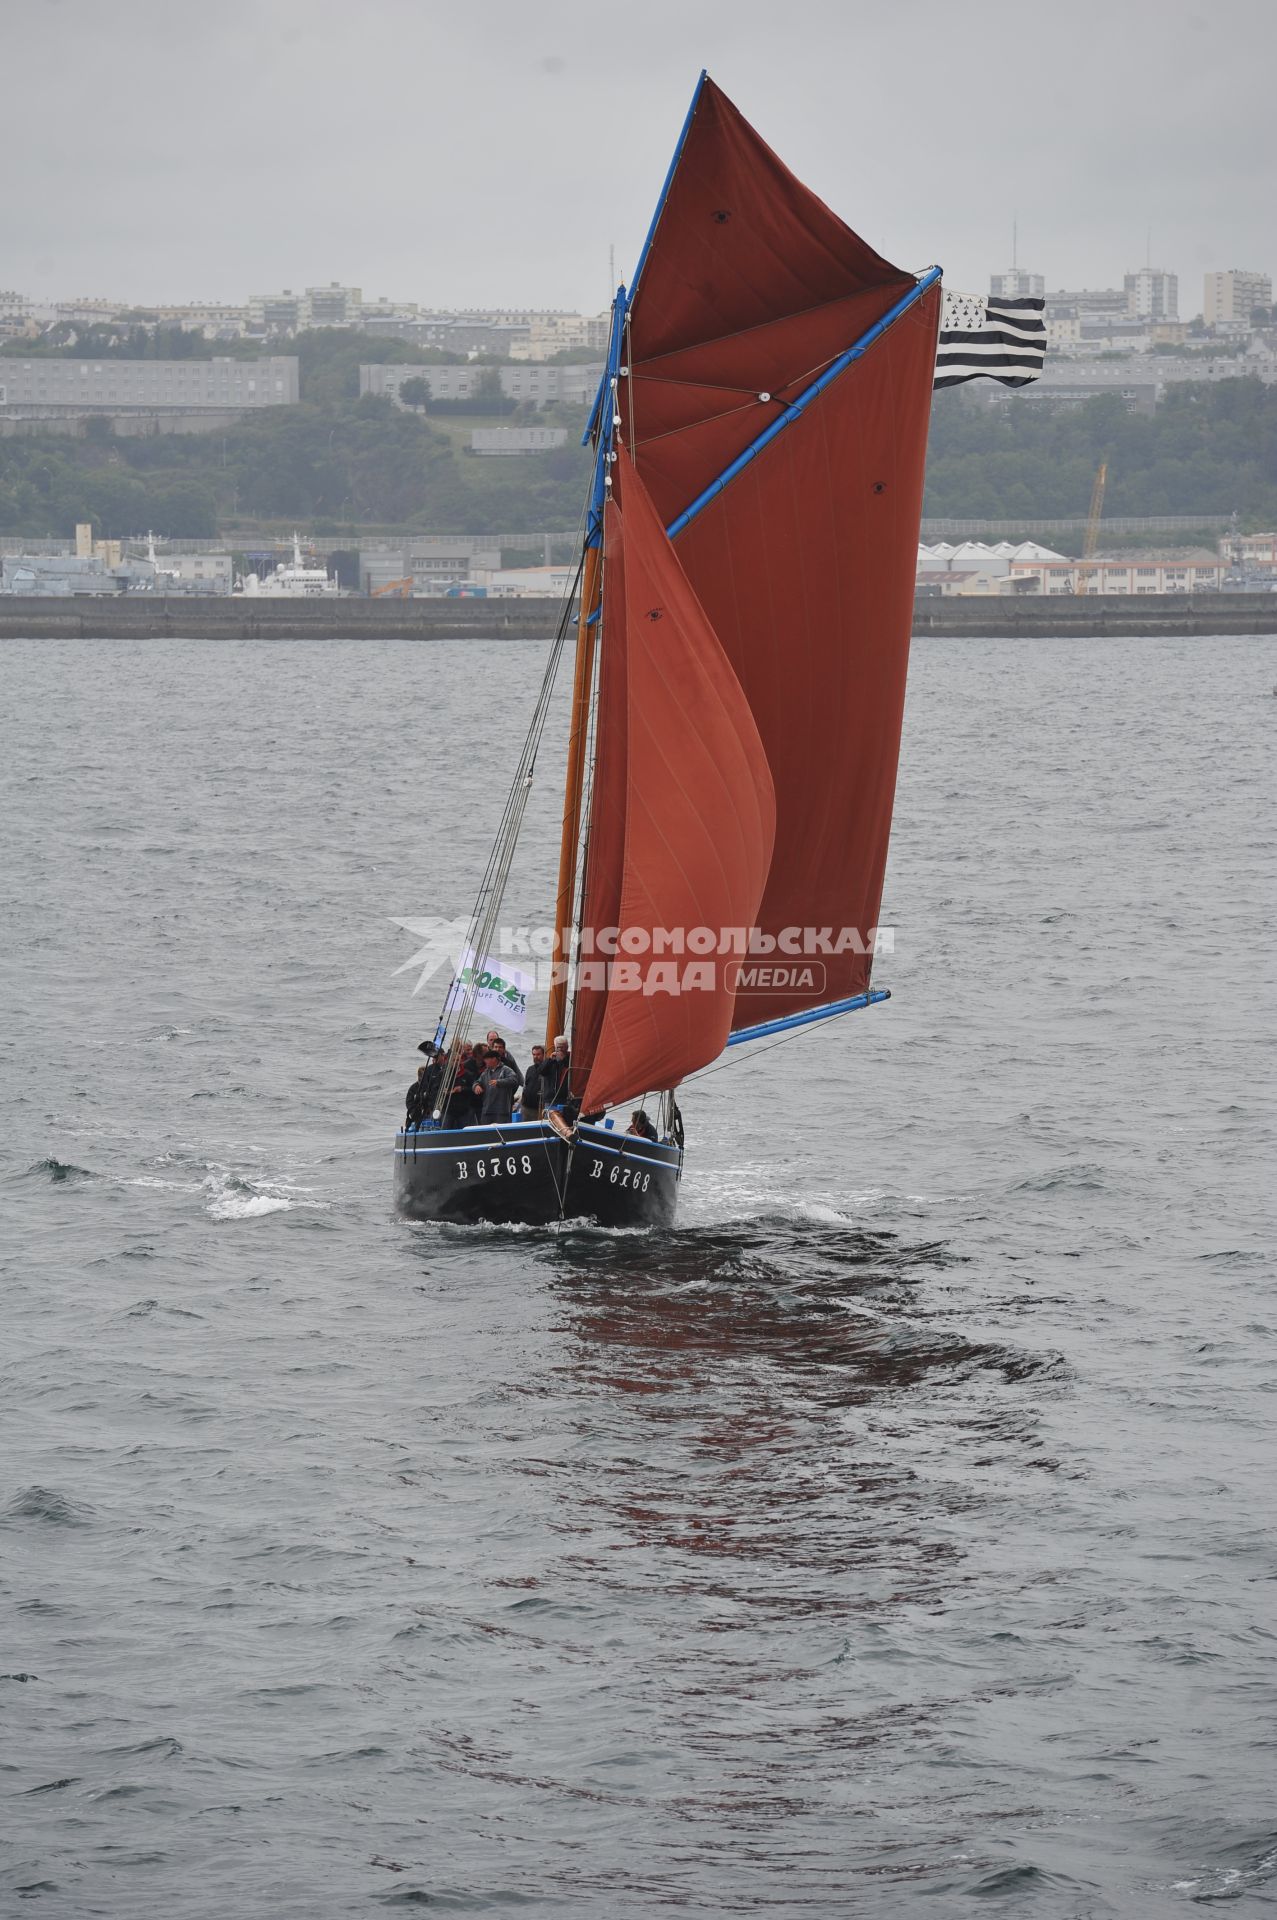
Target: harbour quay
153	616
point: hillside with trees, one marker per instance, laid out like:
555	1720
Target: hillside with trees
1209	448
337	463
331	463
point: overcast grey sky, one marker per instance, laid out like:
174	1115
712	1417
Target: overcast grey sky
484	155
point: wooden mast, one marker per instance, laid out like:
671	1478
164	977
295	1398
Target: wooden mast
577	736
602	424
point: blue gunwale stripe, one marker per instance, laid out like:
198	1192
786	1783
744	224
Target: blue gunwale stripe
804	400
625	1153
589	1146
534	1135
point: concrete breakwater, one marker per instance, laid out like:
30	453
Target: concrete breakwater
1097	616
230	617
156	617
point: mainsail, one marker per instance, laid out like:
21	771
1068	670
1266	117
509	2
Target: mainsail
683	816
771	410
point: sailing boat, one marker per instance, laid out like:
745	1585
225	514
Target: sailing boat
742	626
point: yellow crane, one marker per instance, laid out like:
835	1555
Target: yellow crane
401	589
1092	536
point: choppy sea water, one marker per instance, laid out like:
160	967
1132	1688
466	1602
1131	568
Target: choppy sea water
894	1537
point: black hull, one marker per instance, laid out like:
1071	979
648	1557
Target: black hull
528	1176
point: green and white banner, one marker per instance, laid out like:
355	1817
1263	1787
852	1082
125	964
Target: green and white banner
500	990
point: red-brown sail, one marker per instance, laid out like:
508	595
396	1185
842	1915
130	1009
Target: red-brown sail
804	563
750	286
682	815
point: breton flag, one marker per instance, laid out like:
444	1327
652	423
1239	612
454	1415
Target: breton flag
990	340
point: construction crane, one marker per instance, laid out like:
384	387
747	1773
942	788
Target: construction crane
1092	536
402	589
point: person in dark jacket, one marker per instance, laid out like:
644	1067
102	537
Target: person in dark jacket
417	1103
554	1075
533	1095
640	1124
461	1110
496	1087
495	1040
435	1062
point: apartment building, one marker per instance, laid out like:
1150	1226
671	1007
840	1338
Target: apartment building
1016	284
1152	294
528	384
1229	299
45	388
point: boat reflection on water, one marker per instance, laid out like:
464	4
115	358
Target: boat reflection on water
782	1409
748	1490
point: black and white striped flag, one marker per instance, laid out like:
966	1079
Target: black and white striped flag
990	340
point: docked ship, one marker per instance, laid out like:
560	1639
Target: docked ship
290	580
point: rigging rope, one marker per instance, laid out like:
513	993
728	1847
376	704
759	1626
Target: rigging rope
492	886
796	1033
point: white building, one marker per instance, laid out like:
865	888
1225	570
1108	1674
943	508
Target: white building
524	583
537	386
1015	284
971	566
1257	552
381	311
333	306
16	317
288	312
46	388
430	563
89	310
1190	571
1229	299
1086	303
1152	294
210	573
275	312
553	333
517	440
215	321
1139	380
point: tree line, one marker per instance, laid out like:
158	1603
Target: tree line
336	460
1211	447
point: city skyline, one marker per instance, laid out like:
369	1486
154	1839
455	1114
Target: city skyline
1150	293
197	158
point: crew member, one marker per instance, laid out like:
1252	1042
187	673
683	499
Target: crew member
554	1078
640	1124
417	1104
533	1084
494	1040
496	1087
434	1066
461	1099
